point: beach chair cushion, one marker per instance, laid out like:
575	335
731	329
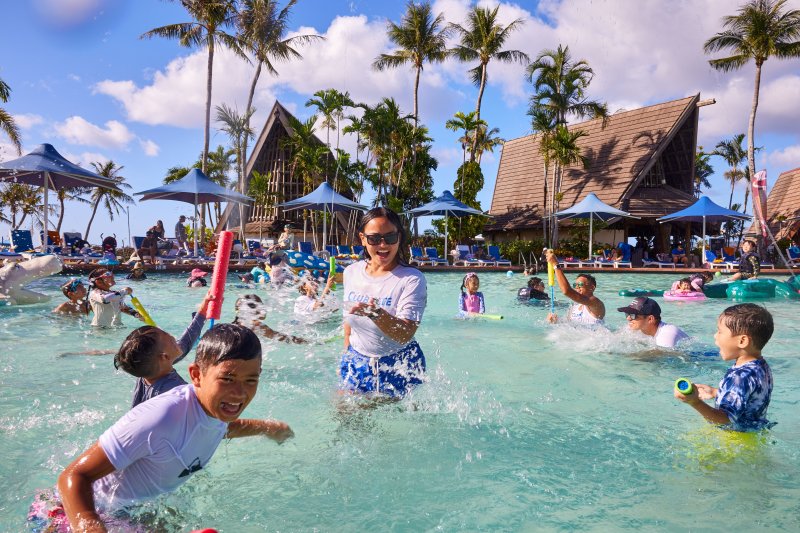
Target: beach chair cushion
306	247
21	240
494	253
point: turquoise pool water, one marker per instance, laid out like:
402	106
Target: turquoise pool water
522	426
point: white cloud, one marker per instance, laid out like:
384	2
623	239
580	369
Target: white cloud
85	159
787	158
78	130
149	148
28	120
68	12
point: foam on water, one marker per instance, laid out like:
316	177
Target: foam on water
520	425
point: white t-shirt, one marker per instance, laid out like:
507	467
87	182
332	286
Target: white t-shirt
106	306
157	446
402	292
667	335
304	305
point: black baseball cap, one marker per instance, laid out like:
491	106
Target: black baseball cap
642	305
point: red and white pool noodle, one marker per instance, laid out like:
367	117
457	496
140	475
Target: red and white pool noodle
220	274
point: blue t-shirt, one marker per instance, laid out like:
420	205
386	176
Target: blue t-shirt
676	251
744	395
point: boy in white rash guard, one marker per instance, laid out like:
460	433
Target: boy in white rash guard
644	314
159	444
105	303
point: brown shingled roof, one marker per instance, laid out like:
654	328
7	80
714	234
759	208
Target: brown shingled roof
784	199
657	140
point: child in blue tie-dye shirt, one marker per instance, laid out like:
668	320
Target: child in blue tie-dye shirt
742	399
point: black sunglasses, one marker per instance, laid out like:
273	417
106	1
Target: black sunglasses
375	239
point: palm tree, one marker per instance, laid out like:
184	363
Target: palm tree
732	152
702	170
330	103
762	29
211	17
468	123
420	38
565	151
19	199
262	28
112	200
74	194
239	131
487	140
7	123
543	123
560	84
482	40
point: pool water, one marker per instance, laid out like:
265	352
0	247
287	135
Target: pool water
521	426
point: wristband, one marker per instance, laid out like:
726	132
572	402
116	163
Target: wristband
372	314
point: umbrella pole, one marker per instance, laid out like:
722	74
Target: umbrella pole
44	234
194	225
445	237
703	246
324	229
591	223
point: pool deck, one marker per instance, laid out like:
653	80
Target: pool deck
85	268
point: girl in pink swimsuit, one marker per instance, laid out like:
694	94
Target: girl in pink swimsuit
471	301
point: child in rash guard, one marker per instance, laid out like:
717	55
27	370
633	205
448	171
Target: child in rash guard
158	445
743	395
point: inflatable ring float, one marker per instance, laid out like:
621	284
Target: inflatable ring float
640	292
752	289
678	296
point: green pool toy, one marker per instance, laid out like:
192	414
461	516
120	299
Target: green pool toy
684	386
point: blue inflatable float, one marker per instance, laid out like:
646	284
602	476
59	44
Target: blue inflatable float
307	261
753	289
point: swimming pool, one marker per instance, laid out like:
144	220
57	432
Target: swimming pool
522	425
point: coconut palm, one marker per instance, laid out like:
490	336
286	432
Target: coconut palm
112	200
482	40
563	146
239	131
560	84
487	139
73	194
468	123
330	103
761	29
7	123
702	171
420	38
262	29
543	123
19	199
732	152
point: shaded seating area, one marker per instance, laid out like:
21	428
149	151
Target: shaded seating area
417	257
433	256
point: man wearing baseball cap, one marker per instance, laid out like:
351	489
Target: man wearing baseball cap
644	314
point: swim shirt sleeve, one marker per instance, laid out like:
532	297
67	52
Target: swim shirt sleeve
754	261
483	304
129	439
462	305
667	336
734	391
190	335
413	299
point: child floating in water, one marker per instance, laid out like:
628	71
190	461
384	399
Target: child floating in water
683	286
471	301
743	395
161	443
137	273
76	293
149	354
197	278
250	313
107	304
309	300
534	290
700	279
749	263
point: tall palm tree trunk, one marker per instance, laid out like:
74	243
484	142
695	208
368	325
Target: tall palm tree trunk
91	218
478	113
207	130
751	161
416	97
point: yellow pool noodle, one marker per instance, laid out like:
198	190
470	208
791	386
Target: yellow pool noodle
140	309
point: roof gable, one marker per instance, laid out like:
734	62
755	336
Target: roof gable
784	199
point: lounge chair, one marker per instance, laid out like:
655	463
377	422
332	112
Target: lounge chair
433	256
714	262
794	256
483	259
570	261
729	254
494	253
53	241
465	257
660	262
305	247
331	250
358	250
417	257
344	249
22	243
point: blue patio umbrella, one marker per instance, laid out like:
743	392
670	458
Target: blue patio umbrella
324	199
448	206
592	207
194	188
45	167
705	210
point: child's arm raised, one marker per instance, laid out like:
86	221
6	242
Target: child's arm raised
75	489
712	414
250	427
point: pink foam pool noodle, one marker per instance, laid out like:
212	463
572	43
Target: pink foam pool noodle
220	273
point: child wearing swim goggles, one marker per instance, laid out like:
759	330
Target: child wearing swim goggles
78	303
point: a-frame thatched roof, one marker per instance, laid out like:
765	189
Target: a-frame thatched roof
784	200
641	162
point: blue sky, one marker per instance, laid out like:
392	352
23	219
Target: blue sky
82	80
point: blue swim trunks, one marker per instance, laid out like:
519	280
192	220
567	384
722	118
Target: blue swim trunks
391	375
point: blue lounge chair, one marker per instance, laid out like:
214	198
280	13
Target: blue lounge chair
344	249
494	253
417	257
331	249
465	256
794	255
22	243
358	250
305	247
712	261
433	256
488	261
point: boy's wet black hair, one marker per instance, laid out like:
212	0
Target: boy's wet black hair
70	286
685	280
534	281
752	320
139	352
385	212
227	342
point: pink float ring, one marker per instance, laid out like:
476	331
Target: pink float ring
677	296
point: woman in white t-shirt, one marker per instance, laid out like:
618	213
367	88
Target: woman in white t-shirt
384	300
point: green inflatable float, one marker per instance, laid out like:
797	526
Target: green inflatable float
640	292
754	289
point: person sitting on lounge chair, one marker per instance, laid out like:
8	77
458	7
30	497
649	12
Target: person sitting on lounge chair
679	255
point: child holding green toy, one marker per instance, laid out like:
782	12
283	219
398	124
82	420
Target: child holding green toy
742	399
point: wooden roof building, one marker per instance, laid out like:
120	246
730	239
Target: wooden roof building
783	201
268	157
641	162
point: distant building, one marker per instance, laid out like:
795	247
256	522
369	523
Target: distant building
268	157
642	162
784	201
